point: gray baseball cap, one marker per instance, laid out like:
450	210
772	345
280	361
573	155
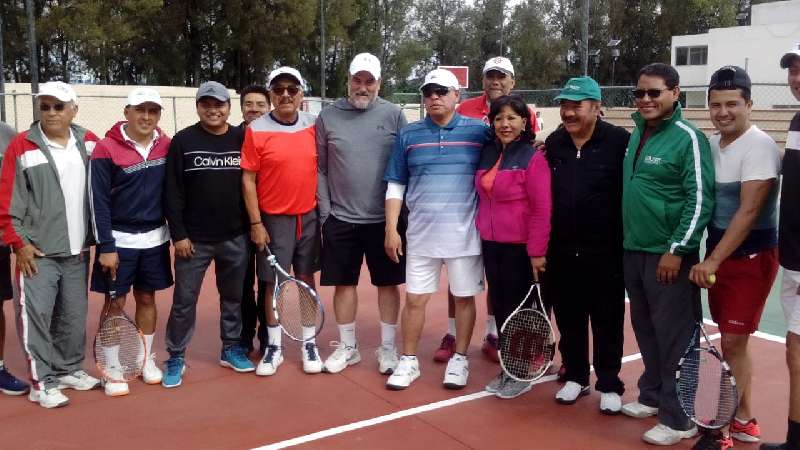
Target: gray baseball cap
213	89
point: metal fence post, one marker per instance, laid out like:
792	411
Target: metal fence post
174	117
16	119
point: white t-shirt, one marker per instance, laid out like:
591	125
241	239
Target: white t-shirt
72	178
752	156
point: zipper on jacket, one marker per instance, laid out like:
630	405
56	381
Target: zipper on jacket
574	195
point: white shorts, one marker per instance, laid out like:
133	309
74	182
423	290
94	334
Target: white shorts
790	300
464	273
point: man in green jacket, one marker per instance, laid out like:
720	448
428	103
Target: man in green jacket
668	196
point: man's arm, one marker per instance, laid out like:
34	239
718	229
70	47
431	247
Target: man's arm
174	194
323	191
258	232
393	243
100	172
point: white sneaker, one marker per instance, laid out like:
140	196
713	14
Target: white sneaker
457	372
342	357
113	389
273	358
48	398
571	392
638	410
312	363
387	359
151	374
610	403
664	435
404	374
78	380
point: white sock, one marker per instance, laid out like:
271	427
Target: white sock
309	333
388	330
451	326
491	326
112	356
347	334
148	343
2	364
274	336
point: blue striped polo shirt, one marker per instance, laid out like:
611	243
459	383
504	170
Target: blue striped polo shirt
437	165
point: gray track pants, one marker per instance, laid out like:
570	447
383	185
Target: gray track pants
51	310
230	261
663	318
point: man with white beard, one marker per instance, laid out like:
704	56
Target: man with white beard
355	136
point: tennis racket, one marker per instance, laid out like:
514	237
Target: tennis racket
297	305
527	342
705	384
118	344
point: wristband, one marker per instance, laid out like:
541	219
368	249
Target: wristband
255	223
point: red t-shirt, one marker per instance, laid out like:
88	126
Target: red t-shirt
478	108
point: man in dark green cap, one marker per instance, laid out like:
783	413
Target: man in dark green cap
585	157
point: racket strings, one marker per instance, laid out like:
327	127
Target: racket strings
297	308
527	345
119	349
706	389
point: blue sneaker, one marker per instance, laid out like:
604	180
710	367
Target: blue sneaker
10	385
175	368
233	356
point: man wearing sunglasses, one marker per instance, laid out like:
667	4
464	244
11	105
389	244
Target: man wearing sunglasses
44	218
789	251
668	196
355	137
9	384
432	166
126	185
207	222
279	158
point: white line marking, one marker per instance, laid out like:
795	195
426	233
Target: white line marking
449	402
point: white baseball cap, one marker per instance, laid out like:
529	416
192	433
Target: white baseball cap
366	62
144	95
499	63
442	77
59	90
286	70
787	58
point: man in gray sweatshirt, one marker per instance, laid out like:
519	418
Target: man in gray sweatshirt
355	136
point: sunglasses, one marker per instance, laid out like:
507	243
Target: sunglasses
58	107
441	91
280	90
652	93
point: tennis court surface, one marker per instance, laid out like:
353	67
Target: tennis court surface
216	408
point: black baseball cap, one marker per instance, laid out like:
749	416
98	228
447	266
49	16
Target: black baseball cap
730	77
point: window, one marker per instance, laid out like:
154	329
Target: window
691	56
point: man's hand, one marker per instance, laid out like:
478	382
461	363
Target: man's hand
184	249
393	245
26	262
668	267
259	236
701	273
110	263
539	264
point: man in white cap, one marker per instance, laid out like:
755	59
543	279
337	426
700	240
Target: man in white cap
127	178
498	80
433	167
789	254
279	159
355	137
207	222
44	218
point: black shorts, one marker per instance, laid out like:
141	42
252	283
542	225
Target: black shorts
145	270
6	290
344	246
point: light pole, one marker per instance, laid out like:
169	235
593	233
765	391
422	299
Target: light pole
34	59
322	48
585	38
614	43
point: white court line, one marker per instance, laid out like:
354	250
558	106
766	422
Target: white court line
450	402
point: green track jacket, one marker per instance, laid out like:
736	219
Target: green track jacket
668	196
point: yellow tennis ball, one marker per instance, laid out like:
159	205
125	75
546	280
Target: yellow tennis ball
712	278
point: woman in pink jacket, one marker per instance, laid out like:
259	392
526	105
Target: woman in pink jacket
513	184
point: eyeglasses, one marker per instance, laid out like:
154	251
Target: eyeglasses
280	90
58	107
652	93
441	91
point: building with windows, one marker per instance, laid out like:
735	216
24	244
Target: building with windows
774	28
